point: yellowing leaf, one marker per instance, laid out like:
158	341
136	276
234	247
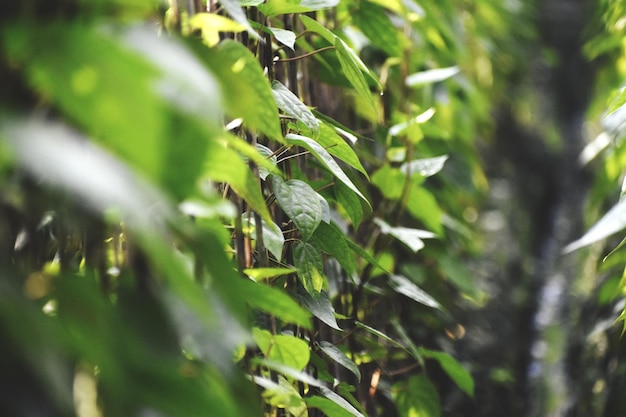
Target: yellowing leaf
211	25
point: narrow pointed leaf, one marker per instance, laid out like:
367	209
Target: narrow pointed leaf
289	103
338	356
233	7
300	202
612	222
407	288
278	7
352	71
431	76
321	307
325	158
412	238
340	401
373	21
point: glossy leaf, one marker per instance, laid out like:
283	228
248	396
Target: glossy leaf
321	307
286	37
325	158
289	103
350	202
431	76
308	261
340	401
338	356
425	167
612	222
300	202
407	288
286	350
333	242
412	238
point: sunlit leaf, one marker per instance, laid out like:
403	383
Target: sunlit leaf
289	103
300	202
431	76
233	7
328	407
338	356
425	167
286	350
259	274
308	261
325	158
288	371
405	287
211	24
612	222
277	7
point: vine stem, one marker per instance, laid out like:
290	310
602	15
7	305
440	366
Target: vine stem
296	58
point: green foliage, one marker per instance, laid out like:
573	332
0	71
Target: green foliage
189	216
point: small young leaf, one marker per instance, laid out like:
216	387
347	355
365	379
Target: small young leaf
321	307
405	287
308	261
300	202
325	158
338	356
291	105
461	376
286	37
286	350
612	222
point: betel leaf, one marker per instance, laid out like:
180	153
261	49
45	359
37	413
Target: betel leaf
412	238
277	7
291	105
287	350
338	356
310	266
325	208
271	300
612	222
340	401
321	307
409	289
461	376
273	237
249	92
350	202
431	76
300	202
233	7
286	37
325	158
352	71
416	397
331	240
373	21
425	167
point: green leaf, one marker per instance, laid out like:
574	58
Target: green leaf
261	155
273	237
321	307
612	222
340	401
271	300
425	167
325	158
328	407
407	288
351	68
277	7
461	376
260	274
233	7
332	241
380	334
338	356
300	202
291	105
390	181
242	77
412	238
416	398
309	263
431	76
286	350
423	206
288	371
286	37
373	21
225	165
350	202
316	27
363	254
284	395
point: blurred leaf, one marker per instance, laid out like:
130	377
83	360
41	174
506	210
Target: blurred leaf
405	287
271	300
372	20
273	237
240	74
416	397
425	167
350	202
260	274
300	202
352	70
277	7
285	395
325	158
338	356
286	350
612	222
286	37
340	401
211	24
390	181
288	371
233	7
431	76
291	105
308	261
423	206
328	407
461	377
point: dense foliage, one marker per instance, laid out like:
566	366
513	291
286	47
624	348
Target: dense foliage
246	207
